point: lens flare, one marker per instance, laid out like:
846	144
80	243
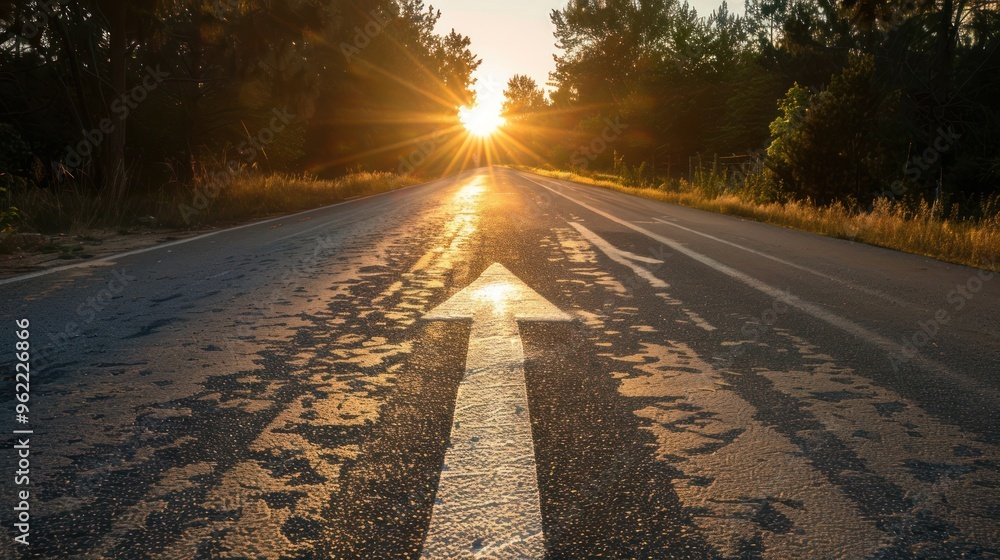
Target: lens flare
481	120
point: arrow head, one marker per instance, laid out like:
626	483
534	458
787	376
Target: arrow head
499	291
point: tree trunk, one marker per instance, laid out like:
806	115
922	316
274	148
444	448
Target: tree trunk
945	55
113	152
81	112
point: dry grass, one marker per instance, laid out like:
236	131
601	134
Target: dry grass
257	196
922	231
240	198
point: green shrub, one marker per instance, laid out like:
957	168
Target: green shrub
835	144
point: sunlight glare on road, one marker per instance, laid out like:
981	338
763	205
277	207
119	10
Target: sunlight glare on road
496	295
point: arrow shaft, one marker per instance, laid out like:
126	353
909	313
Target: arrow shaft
487	502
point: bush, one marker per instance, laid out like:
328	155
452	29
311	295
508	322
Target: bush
835	144
630	176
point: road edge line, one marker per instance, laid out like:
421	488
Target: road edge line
844	324
91	262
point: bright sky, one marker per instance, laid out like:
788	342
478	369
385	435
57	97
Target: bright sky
515	37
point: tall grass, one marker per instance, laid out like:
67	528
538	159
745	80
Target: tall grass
241	197
259	195
918	228
71	210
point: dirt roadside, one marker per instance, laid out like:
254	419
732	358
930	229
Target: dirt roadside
27	253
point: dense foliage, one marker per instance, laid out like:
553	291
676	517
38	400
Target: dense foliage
109	94
831	102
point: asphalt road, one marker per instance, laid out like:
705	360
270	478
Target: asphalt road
633	380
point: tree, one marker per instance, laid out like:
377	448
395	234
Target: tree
522	97
364	79
835	144
529	129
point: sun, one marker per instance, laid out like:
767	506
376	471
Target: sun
481	120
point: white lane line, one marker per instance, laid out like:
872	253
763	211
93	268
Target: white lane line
616	255
487	503
607	197
622	257
94	262
840	281
313	228
630	256
891	348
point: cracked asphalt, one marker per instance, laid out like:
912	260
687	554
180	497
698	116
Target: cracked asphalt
726	389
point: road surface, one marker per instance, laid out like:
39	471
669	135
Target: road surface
501	365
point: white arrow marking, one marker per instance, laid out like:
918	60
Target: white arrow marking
487	503
622	257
